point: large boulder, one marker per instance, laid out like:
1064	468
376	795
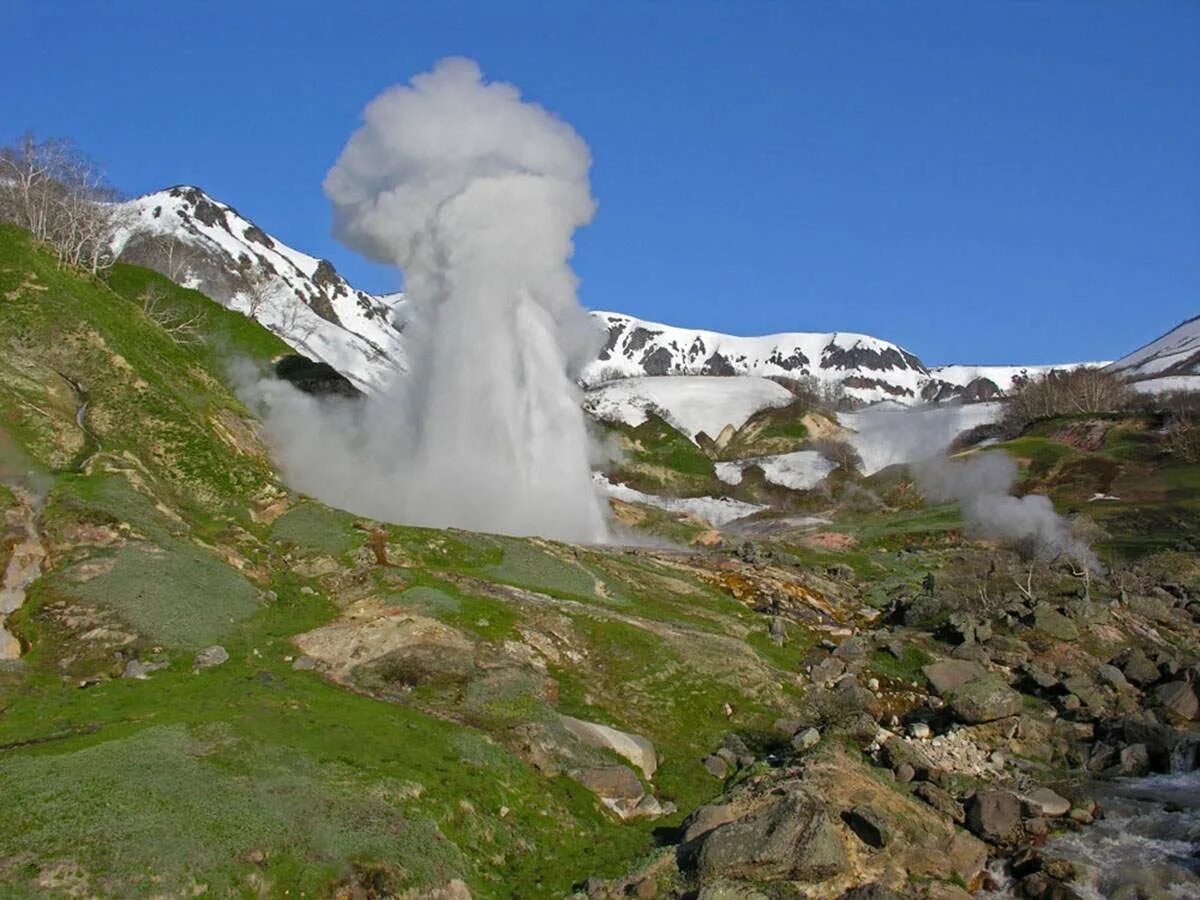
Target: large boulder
994	816
633	747
947	674
983	700
1178	700
1052	623
791	839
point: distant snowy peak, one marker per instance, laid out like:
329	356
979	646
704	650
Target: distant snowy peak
867	368
205	244
1174	355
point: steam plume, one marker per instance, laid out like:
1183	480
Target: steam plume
475	194
982	484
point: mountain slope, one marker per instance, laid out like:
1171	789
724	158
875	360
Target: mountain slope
1172	361
867	368
202	243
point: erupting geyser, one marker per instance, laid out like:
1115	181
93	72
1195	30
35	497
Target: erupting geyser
475	194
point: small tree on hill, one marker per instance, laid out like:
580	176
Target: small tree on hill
55	191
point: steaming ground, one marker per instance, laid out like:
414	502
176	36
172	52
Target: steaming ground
474	194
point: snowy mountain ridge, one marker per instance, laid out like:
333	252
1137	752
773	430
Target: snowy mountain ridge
1172	360
205	244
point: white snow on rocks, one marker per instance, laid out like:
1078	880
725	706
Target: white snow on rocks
798	471
691	404
719	511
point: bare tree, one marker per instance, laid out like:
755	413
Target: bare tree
181	326
61	196
1063	393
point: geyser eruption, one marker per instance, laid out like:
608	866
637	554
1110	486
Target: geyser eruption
475	194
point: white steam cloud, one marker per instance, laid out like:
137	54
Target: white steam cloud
982	484
475	194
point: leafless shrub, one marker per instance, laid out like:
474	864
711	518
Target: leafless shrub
841	453
1182	439
1064	393
61	196
181	326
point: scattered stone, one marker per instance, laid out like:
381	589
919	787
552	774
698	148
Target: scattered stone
920	731
904	773
994	815
716	766
1135	760
1139	669
134	669
304	663
1051	622
941	801
633	747
610	782
984	700
948	674
828	670
1043	802
790	839
806	740
1178	699
1112	676
210	657
870	827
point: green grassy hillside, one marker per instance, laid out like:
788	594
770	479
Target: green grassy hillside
168	530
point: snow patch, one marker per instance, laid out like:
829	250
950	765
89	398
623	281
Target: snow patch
798	471
718	511
691	404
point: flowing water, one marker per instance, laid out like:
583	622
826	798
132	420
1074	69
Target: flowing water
1147	844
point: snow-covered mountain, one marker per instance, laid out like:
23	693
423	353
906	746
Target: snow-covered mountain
867	368
204	244
1171	362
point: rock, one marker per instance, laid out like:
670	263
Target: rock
1178	700
870	827
304	663
948	674
210	657
873	891
941	801
610	782
790	839
706	818
1134	760
1051	622
984	700
633	747
806	740
904	773
1139	669
828	670
1043	802
716	766
994	815
920	731
134	669
1112	676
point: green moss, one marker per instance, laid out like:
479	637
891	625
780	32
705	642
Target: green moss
317	528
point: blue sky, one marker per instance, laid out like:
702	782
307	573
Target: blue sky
979	181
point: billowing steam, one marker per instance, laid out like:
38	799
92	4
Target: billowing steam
475	194
982	484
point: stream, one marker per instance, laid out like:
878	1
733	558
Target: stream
1147	846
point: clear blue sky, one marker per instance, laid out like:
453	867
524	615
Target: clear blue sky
979	181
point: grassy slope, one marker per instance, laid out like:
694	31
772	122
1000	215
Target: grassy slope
252	777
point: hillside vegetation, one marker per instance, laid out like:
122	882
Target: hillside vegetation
225	688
